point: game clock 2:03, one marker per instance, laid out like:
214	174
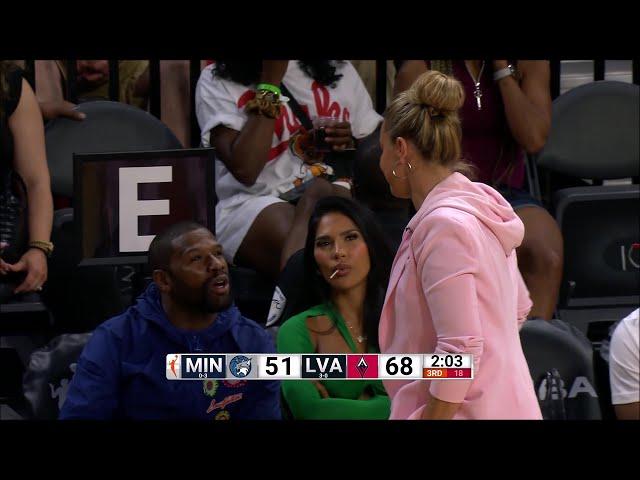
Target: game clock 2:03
444	361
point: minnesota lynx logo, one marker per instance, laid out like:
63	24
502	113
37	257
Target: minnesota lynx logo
240	366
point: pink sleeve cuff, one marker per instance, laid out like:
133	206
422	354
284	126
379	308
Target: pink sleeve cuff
452	391
455	391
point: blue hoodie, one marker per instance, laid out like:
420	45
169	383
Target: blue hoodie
122	370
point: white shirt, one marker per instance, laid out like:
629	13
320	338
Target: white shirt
624	361
221	102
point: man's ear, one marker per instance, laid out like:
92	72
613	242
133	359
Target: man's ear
162	280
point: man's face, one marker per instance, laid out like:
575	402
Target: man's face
92	73
198	273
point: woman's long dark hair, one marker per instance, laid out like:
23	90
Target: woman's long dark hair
247	72
6	66
380	257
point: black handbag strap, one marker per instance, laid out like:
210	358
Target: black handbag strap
297	109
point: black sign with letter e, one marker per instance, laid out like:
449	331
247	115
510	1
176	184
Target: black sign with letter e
324	366
123	200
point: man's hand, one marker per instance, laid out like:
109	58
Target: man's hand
62	108
339	136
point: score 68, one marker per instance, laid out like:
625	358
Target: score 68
399	366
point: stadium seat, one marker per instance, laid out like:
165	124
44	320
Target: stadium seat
79	298
49	373
560	360
108	127
594	137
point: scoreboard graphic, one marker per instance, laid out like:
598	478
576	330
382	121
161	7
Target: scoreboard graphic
369	366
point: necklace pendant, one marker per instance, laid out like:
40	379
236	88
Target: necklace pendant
478	94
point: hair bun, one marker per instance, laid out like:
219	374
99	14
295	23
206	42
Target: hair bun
437	92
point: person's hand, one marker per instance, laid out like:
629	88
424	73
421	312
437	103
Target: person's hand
321	389
339	136
34	262
62	108
4	267
273	71
500	64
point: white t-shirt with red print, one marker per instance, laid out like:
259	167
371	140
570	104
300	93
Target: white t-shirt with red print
624	360
221	102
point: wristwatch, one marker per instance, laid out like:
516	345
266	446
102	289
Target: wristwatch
504	72
46	247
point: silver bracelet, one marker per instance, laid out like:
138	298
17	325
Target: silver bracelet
503	72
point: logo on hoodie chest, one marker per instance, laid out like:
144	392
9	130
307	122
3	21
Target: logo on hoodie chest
229	399
211	389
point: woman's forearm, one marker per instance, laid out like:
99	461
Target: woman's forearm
439	410
250	150
40	211
528	125
527	104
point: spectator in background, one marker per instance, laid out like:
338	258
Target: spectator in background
134	89
455	286
262	149
507	112
92	78
26	207
347	260
624	367
367	71
188	308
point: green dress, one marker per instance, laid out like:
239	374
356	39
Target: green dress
302	397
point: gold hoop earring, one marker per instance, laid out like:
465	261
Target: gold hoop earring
396	175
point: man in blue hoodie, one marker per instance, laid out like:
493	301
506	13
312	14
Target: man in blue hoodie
188	309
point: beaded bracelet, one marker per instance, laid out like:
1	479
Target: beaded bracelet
265	103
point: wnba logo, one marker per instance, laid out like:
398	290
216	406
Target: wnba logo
558	390
174	364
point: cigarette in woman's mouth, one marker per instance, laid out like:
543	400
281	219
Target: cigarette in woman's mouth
334	274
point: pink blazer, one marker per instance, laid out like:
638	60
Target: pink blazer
455	288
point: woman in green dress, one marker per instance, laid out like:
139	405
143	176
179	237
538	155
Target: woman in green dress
347	264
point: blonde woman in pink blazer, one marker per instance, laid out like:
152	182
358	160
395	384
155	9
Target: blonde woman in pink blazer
455	285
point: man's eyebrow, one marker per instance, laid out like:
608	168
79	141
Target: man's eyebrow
215	246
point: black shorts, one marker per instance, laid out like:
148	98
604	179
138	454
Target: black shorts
518	198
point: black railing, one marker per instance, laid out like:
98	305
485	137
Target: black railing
30	72
381	85
381	99
72	83
555	72
194	75
114	80
155	104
